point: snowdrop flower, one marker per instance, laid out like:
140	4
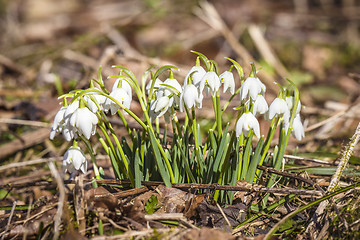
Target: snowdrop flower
210	80
228	79
160	106
279	108
58	123
297	128
175	87
190	97
123	84
157	84
68	130
84	121
251	88
260	105
74	160
246	122
100	100
196	73
170	88
120	95
290	102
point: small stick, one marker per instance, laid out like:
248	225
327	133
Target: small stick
59	212
290	175
9	220
225	217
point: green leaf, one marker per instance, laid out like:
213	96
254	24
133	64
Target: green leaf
204	59
159	161
238	68
152	205
163	69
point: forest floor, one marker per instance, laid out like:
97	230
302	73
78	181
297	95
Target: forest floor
51	47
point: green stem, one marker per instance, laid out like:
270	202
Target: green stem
93	159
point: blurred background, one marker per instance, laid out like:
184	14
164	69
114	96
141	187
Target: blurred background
49	47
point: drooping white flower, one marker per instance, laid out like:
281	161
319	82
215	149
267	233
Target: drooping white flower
124	85
190	97
175	87
84	122
210	80
170	88
251	88
74	160
196	73
229	83
290	102
120	95
160	106
100	100
279	108
260	105
157	84
247	122
297	129
68	130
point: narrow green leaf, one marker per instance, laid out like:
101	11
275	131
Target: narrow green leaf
255	161
159	161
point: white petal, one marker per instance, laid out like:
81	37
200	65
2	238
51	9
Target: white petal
198	73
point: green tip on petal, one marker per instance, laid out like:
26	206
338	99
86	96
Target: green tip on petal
82	103
197	63
75	143
92	84
171	75
253	70
65	102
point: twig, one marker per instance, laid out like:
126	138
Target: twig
27	216
123	194
31	162
290	175
222	213
176	185
170	216
9	220
346	154
59	212
25	122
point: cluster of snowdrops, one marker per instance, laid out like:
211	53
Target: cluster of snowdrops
191	153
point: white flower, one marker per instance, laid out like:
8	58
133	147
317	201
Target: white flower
228	79
279	108
74	160
84	121
170	87
175	87
298	128
210	80
197	73
157	84
160	106
251	88
68	131
290	102
124	85
58	123
120	95
190	97
100	100
246	122
260	105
